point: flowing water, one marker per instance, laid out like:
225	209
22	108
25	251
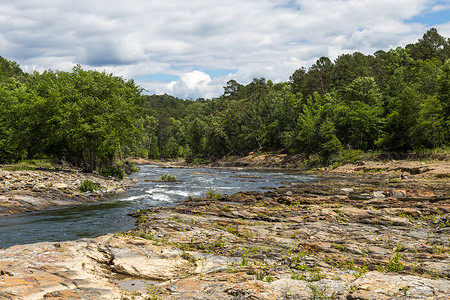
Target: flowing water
111	215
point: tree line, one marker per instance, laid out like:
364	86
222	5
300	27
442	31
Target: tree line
390	101
397	100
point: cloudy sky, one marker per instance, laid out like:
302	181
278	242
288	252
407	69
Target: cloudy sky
190	49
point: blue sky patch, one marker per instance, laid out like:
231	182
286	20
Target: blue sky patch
433	18
218	73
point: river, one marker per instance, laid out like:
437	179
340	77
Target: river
111	215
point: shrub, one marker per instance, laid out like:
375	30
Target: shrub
133	168
87	185
211	194
394	264
113	171
167	177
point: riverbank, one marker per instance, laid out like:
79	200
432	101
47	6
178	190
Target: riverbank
32	190
358	232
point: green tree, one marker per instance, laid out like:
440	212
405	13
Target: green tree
348	67
150	127
85	117
363	89
429	130
443	94
400	123
298	80
359	125
425	74
12	93
431	45
329	144
196	136
316	129
217	144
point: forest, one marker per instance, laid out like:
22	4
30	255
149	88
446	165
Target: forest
391	101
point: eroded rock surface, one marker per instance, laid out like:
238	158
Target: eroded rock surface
365	238
24	191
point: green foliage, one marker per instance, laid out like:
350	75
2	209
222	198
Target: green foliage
85	117
297	276
113	171
190	258
168	178
30	164
390	101
360	271
348	156
153	292
317	292
431	45
88	185
394	264
211	194
315	275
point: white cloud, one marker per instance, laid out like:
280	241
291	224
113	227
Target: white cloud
269	38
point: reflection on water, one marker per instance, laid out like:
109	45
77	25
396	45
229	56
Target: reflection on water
111	215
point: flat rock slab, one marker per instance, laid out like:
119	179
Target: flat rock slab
304	241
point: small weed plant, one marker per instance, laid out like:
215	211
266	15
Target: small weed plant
315	275
152	292
297	276
394	264
317	292
211	194
168	178
87	186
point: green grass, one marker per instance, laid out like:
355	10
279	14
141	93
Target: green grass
30	165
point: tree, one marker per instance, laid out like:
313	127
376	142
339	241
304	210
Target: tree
348	67
431	45
298	80
150	126
363	89
253	104
12	93
320	75
83	116
196	136
329	144
429	130
232	88
217	144
443	94
425	74
400	123
359	125
397	64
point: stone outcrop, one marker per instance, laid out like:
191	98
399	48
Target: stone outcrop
23	191
357	232
361	237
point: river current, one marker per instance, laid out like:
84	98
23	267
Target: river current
111	215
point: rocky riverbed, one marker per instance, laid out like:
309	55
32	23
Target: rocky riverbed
358	234
24	191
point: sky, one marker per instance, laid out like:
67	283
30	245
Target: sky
190	49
